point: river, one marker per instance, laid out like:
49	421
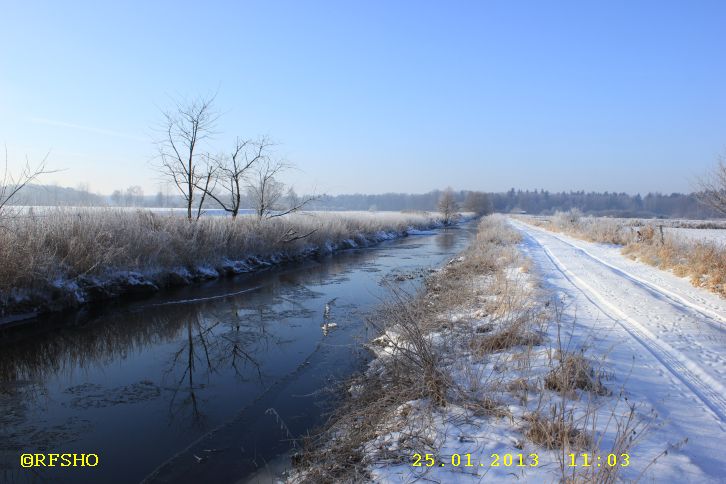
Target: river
208	383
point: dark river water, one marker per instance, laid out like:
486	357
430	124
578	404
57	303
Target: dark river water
210	383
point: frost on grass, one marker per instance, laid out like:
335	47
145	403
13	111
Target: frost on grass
64	258
477	364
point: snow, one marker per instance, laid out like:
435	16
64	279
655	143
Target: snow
716	236
386	344
667	335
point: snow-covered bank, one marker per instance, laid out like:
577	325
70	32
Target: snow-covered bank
73	258
489	375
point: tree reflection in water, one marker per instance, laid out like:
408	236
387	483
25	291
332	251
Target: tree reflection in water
446	239
210	345
210	340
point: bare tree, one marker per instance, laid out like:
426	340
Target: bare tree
84	194
478	202
266	192
134	196
117	198
448	206
206	180
186	126
11	185
232	172
713	187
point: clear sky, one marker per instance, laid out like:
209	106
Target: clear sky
377	96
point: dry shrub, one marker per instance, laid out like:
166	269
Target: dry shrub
337	456
410	370
594	229
487	407
415	361
520	385
702	262
646	234
574	371
680	270
517	334
556	430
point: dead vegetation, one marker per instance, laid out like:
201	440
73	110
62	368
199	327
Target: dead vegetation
509	337
574	372
44	250
556	429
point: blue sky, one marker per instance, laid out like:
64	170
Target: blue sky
377	96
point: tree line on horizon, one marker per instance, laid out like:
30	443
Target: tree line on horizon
537	202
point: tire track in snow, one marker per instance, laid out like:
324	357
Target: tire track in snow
712	318
706	388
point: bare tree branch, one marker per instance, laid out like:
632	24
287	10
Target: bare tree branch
713	187
266	192
233	171
294	204
185	127
11	185
292	235
203	184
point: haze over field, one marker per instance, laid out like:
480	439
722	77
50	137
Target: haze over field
376	97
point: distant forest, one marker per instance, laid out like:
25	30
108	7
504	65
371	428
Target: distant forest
675	205
538	202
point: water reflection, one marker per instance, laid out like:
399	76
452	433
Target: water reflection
36	355
446	239
211	344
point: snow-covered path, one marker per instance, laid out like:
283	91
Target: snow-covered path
662	337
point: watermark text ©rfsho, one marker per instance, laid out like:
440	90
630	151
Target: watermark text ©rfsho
59	460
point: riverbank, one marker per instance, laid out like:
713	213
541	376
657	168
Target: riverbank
480	376
61	259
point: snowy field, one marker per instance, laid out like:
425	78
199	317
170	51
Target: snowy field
714	236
